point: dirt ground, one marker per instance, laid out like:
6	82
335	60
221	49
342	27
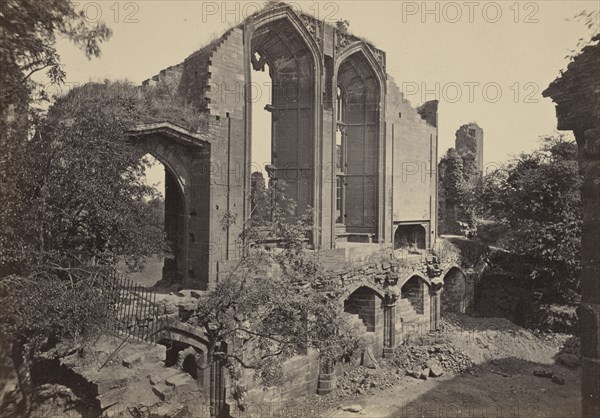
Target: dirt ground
501	384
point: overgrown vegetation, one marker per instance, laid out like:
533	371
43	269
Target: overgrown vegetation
275	302
73	195
533	208
458	178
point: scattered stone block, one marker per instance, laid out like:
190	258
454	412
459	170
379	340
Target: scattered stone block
110	398
182	383
559	380
172	410
154	380
103	386
355	408
132	360
435	369
416	373
163	391
187	305
569	360
425	374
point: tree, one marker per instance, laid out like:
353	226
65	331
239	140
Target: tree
85	201
452	175
29	29
74	202
458	175
259	199
275	303
536	204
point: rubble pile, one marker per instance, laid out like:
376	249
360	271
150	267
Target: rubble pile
449	358
571	346
362	380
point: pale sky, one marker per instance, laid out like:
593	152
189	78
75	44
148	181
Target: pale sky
487	43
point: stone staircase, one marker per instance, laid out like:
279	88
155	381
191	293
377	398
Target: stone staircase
410	317
355	322
360	327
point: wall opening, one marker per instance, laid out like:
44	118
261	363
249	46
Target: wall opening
281	58
414	291
410	237
453	297
261	151
357	139
262	110
169	204
340	159
365	303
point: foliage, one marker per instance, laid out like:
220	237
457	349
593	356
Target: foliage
535	201
29	30
452	176
44	307
259	199
276	302
74	202
86	200
458	176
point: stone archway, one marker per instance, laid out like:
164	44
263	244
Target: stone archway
454	292
191	347
185	157
357	144
278	40
364	307
414	306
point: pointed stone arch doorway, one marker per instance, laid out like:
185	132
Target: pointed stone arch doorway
186	159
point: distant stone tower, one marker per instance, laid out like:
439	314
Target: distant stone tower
469	138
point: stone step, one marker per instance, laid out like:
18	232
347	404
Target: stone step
354	319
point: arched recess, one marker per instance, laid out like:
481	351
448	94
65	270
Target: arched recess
283	42
410	236
358	150
365	304
185	336
415	290
454	291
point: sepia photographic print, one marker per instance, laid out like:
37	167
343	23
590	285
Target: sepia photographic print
299	209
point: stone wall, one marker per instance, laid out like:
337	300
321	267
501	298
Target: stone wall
391	147
300	378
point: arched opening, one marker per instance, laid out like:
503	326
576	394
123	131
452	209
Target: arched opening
282	132
190	365
364	304
410	237
453	294
357	146
414	292
170	205
186	358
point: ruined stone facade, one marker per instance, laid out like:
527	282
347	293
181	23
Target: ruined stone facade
348	145
469	138
344	139
575	93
